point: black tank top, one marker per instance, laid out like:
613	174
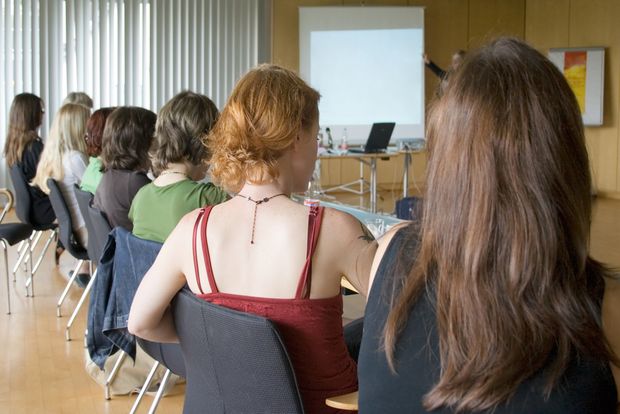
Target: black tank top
586	387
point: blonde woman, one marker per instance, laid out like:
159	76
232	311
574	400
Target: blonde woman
264	147
80	98
64	159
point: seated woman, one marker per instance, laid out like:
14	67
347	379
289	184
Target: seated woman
491	303
94	130
23	147
125	144
79	98
263	149
64	159
179	159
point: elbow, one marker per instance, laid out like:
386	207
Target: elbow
136	327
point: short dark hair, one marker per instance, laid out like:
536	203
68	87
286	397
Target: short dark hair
181	124
94	130
127	138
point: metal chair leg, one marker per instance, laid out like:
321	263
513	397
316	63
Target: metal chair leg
145	387
67	287
30	277
160	392
87	290
22	254
113	373
42	255
34	243
6	270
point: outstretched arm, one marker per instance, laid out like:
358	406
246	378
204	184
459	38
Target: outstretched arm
150	317
357	246
434	68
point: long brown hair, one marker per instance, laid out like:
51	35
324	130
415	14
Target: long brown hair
25	118
503	242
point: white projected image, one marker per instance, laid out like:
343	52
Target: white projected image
367	76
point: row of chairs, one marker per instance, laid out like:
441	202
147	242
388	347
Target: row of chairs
222	351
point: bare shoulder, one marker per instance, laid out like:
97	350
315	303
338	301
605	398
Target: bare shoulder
342	221
383	243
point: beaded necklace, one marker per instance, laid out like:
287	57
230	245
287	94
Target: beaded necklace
256	204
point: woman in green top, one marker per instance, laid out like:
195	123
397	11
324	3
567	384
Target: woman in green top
179	160
94	131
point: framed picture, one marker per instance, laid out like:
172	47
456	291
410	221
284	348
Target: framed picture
584	69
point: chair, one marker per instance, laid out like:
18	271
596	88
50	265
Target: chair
23	209
67	237
10	200
235	362
409	208
10	234
168	355
94	248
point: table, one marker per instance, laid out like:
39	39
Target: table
344	402
364	159
408	159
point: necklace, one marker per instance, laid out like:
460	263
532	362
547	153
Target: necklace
256	204
172	172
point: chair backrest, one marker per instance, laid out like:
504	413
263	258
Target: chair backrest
65	224
22	195
409	208
101	228
95	244
170	355
236	362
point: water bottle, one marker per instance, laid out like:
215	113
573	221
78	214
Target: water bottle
321	139
330	141
344	145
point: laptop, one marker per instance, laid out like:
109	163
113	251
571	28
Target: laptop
378	139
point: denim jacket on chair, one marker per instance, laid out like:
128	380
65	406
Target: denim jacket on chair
125	260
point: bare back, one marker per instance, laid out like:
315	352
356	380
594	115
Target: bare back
271	267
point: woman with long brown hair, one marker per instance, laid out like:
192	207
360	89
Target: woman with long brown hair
491	302
23	147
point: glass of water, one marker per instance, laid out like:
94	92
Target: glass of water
376	226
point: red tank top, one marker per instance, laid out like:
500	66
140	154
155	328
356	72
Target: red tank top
310	328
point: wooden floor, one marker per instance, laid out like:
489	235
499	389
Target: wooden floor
42	373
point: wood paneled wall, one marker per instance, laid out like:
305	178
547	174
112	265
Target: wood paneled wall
464	24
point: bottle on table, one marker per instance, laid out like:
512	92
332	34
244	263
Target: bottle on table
321	139
330	141
344	144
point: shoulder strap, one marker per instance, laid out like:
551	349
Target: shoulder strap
315	217
204	216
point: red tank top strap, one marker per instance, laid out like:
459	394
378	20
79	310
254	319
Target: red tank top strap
204	215
315	216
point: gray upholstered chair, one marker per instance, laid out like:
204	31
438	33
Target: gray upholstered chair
235	362
23	209
67	237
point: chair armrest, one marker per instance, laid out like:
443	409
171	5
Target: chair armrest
9	202
343	402
346	284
